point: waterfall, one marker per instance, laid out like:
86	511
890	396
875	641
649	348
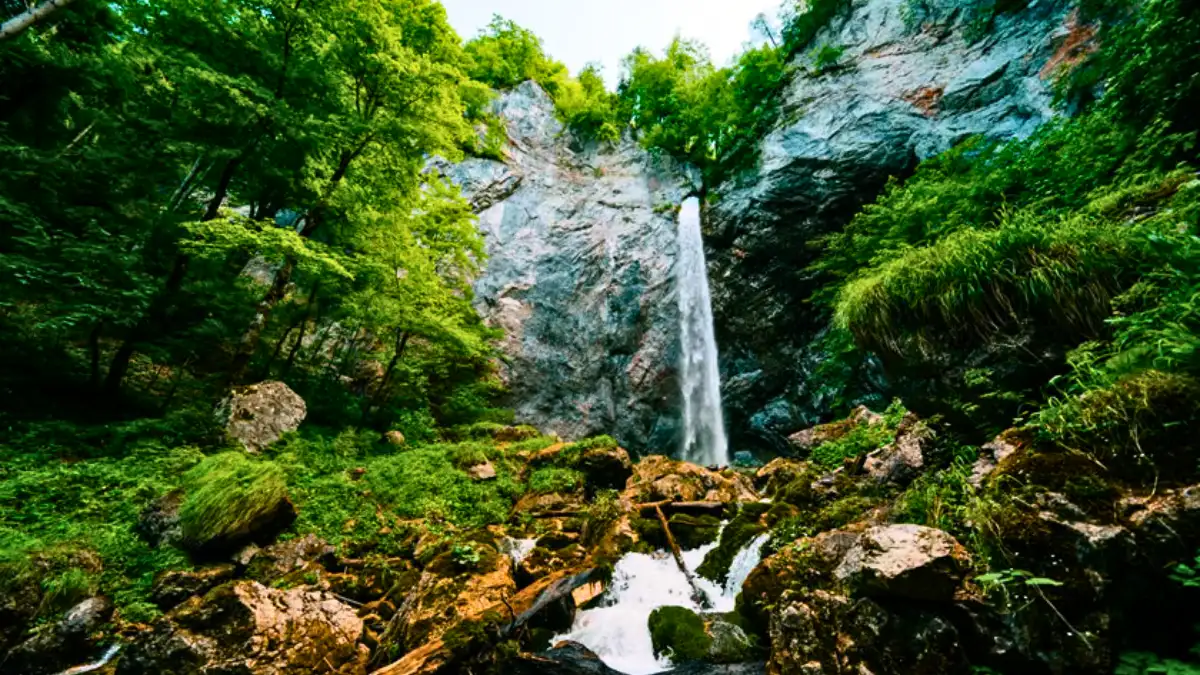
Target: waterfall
517	549
704	439
618	631
743	564
108	656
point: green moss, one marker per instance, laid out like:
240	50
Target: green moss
554	479
467	455
226	493
1143	426
692	532
679	633
66	526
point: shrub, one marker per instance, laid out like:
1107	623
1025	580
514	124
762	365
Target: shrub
226	493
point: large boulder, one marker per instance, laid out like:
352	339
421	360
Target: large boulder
581	250
245	627
912	80
260	414
905	561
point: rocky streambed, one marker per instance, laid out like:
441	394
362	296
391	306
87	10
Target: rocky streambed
793	567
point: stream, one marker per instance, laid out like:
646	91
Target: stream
617	631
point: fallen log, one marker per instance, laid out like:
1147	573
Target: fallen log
697	594
692	508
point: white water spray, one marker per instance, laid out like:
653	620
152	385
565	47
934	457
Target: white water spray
704	439
619	633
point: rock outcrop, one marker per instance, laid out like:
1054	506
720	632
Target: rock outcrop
914	79
581	249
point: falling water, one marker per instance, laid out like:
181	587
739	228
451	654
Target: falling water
108	656
743	564
703	424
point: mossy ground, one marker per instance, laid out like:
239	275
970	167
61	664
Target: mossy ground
72	493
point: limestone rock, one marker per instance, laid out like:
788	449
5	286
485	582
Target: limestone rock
827	633
905	561
581	248
902	460
247	627
259	414
444	594
482	472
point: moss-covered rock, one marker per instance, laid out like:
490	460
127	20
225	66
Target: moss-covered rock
692	532
679	633
230	499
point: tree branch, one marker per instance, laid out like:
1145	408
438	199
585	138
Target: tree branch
17	25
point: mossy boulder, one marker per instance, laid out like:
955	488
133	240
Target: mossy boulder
692	532
679	633
231	499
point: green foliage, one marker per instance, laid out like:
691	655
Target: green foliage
827	58
1142	663
505	55
58	510
803	22
555	479
684	106
226	493
467	455
420	481
679	633
465	556
970	284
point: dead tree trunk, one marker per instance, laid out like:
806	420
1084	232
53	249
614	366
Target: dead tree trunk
17	25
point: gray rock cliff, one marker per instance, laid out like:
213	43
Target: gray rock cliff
915	78
581	250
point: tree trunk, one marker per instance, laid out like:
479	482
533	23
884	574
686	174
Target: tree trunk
291	359
156	316
94	348
401	343
250	339
17	25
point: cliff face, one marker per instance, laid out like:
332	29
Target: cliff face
913	80
582	243
581	249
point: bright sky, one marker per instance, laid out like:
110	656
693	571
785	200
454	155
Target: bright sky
577	32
